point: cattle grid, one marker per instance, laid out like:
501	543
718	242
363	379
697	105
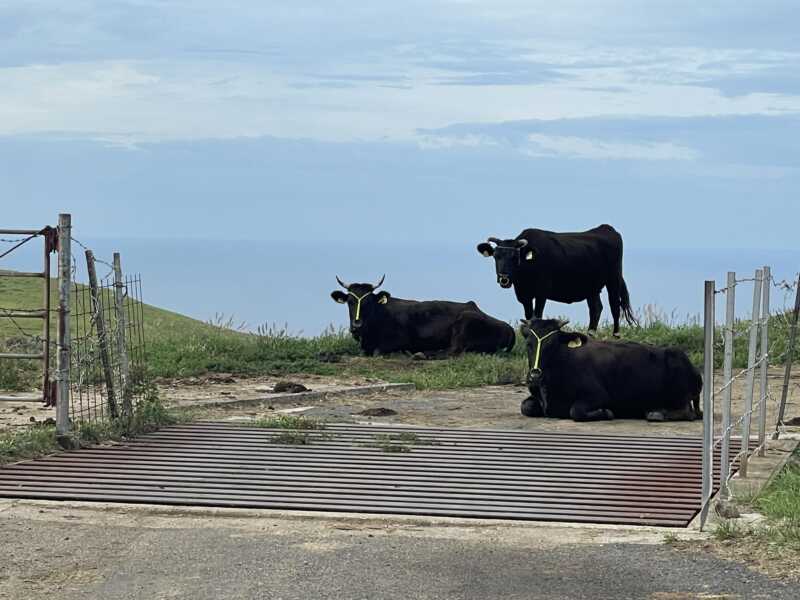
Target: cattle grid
490	474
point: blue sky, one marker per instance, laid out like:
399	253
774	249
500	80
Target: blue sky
678	122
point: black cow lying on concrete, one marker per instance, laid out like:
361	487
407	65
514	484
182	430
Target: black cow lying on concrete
571	375
383	324
565	267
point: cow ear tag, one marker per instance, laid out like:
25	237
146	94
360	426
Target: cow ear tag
341	300
486	253
529	255
576	343
383	300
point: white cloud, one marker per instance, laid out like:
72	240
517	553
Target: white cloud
578	147
198	99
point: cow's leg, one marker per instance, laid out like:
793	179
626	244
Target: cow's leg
539	310
531	407
674	414
595	310
615	303
580	411
590	406
527	306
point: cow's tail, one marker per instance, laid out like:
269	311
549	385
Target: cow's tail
625	300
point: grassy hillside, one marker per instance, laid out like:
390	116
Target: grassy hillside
178	346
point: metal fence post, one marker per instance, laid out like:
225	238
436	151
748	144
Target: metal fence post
102	338
764	387
63	338
789	359
708	402
727	376
122	343
751	362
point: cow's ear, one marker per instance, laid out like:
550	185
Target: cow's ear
339	297
577	340
524	329
486	249
383	297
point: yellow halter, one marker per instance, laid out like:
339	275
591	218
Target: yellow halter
358	303
539	341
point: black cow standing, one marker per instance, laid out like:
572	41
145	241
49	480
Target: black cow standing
383	324
565	267
573	376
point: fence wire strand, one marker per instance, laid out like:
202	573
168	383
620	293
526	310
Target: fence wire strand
780	321
90	393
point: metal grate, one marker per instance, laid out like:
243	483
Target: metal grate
388	470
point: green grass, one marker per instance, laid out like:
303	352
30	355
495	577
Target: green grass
779	534
291	438
178	346
288	422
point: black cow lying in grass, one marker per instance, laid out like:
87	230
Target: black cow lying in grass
571	375
383	324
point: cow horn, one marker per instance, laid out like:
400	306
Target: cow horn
379	284
522	243
495	240
342	283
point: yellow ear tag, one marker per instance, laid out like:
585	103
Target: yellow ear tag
576	343
341	300
486	253
383	300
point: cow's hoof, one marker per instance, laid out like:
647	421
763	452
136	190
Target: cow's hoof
419	356
530	408
655	416
592	333
698	414
609	415
617	335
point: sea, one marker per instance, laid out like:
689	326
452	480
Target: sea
287	285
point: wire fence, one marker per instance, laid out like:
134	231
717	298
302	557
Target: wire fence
748	403
94	344
107	362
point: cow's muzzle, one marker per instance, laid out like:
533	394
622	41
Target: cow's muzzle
355	327
504	281
534	376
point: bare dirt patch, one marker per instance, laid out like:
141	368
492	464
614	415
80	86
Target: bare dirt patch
489	407
486	407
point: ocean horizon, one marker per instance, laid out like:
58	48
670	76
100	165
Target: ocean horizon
288	284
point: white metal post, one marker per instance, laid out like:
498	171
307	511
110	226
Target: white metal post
708	401
751	362
762	409
63	340
727	376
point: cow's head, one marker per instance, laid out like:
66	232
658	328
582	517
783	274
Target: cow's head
362	302
540	335
508	255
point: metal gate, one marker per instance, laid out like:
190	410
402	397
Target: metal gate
49	236
490	474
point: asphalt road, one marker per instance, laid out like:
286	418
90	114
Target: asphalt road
110	553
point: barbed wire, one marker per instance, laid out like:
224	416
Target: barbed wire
96	260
